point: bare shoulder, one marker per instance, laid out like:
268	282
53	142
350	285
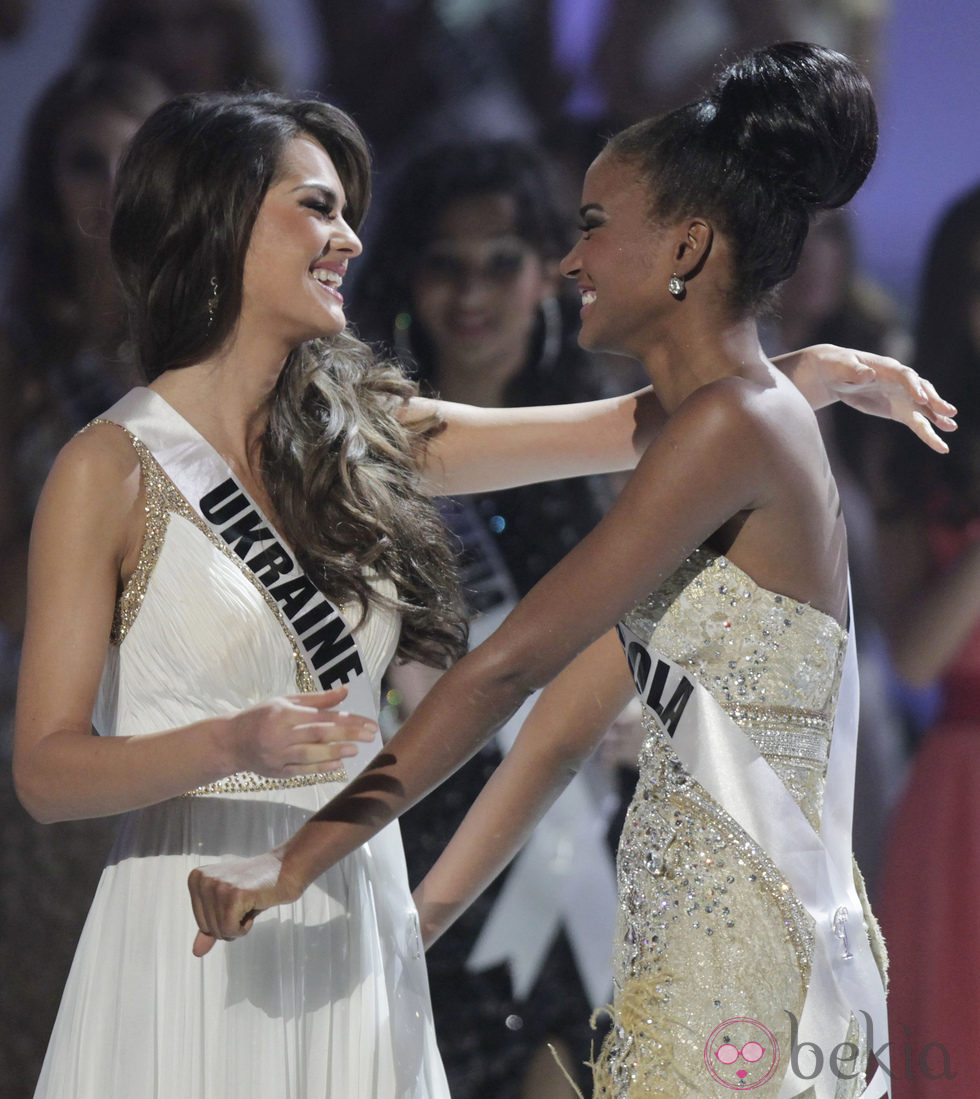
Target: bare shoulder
99	460
95	486
741	407
725	411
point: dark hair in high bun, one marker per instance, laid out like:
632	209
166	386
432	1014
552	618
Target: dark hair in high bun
788	130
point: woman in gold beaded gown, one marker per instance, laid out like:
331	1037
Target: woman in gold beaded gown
747	958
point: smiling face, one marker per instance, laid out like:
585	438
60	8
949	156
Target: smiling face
299	250
478	286
621	262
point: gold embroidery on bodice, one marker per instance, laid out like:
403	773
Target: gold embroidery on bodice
708	929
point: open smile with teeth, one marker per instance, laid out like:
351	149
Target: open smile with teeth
588	297
329	280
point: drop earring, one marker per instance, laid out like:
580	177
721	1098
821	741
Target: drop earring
213	300
676	286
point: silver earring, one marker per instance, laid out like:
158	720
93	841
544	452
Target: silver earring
676	286
213	300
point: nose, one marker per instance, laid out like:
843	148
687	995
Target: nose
570	265
344	239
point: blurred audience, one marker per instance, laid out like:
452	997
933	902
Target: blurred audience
191	45
587	67
931	573
463	283
418	73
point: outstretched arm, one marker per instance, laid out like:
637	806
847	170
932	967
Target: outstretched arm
482	449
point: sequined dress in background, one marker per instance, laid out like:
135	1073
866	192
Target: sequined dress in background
711	940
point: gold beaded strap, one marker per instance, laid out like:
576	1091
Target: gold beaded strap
163	499
247	782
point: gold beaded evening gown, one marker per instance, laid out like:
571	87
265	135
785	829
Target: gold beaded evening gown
713	950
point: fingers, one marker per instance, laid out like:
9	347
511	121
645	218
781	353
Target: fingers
939	410
920	390
320	743
222	911
923	428
202	944
325	700
334	724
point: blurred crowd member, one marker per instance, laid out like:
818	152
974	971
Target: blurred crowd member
63	351
418	73
14	15
63	358
586	67
830	300
191	45
931	562
466	288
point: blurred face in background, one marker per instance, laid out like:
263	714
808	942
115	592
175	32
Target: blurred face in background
478	286
86	159
184	42
816	290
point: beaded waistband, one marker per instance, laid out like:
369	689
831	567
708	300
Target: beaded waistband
802	735
246	782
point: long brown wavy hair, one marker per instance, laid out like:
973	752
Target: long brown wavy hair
339	465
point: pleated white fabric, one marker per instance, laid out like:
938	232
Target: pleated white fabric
324	998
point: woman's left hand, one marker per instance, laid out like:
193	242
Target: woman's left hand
873	384
227	896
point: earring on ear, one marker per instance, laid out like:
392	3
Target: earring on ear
676	286
213	300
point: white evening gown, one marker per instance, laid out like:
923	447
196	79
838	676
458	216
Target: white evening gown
324	998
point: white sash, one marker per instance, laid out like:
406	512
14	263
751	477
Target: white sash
564	875
845	979
203	478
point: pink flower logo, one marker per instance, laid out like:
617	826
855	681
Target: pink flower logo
741	1054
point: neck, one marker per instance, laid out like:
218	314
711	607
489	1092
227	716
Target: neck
227	399
681	362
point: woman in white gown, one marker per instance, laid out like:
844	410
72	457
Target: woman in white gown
195	527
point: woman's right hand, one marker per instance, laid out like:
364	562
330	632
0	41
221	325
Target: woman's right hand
295	734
